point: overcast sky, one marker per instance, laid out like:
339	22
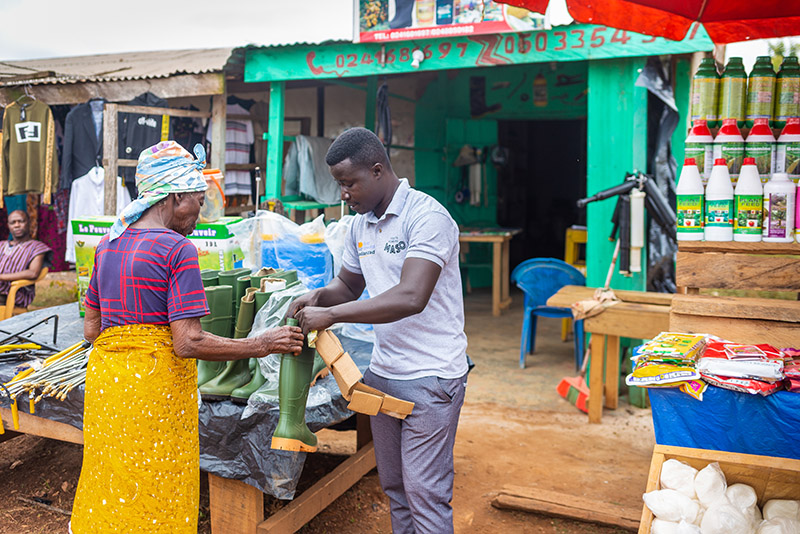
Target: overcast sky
58	28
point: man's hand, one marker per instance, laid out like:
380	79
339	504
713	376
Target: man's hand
314	318
309	299
283	340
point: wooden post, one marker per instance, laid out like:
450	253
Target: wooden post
235	506
612	373
372	99
110	154
219	124
598	345
277	96
321	111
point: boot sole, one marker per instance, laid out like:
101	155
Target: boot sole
287	444
215	398
238	400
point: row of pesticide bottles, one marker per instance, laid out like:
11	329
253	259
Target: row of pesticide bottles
749	212
735	95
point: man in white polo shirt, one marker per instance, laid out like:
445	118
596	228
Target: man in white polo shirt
403	246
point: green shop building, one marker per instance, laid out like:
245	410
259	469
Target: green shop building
557	116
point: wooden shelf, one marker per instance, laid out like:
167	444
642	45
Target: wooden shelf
741	248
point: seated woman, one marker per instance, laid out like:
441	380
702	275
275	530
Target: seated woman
21	258
141	468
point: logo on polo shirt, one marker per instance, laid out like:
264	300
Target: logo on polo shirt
394	246
365	250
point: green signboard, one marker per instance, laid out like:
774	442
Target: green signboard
564	43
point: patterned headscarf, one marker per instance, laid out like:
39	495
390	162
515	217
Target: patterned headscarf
162	169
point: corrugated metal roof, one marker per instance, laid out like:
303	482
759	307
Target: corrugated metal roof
126	66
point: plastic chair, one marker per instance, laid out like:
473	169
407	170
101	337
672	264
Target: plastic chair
539	279
9	309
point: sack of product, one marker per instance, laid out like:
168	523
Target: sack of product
671	505
649	375
724	518
743	385
678	476
782	508
779	525
717	360
660	526
710	484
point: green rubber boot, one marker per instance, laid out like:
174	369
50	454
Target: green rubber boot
289	276
215	295
292	434
264	272
235	375
247	312
207	370
210	277
240	395
228	278
220	320
240	287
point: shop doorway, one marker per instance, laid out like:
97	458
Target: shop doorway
538	187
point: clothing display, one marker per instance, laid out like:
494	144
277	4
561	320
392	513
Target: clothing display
28	161
83	141
305	171
87	199
239	139
48	233
137	132
16	258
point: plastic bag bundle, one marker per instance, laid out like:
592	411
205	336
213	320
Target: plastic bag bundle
668	527
782	508
724	518
678	476
743	497
671	505
779	525
710	484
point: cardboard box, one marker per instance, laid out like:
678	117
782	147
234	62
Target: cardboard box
397	408
365	402
329	347
217	248
347	375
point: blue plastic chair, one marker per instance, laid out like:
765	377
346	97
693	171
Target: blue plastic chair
540	279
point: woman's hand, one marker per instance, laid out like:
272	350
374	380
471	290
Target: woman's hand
283	340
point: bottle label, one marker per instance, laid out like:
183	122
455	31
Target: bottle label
734	156
748	215
787	103
703	154
719	213
787	159
732	98
759	97
705	93
776	207
690	214
763	152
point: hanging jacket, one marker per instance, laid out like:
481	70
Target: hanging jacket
82	150
137	132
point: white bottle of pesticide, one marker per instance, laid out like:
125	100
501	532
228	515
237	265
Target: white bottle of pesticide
787	155
779	211
760	145
729	144
748	203
690	194
719	204
699	146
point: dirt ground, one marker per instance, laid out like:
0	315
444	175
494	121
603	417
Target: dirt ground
514	429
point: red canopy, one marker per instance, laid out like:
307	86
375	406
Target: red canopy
726	21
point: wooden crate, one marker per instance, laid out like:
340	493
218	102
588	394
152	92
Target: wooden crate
740	266
772	478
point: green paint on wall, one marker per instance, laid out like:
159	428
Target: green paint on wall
683	82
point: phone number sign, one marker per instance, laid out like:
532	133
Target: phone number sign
567	43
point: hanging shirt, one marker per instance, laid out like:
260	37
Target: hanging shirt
87	199
306	172
238	140
16	258
28	161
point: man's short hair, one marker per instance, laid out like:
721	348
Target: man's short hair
363	147
24	214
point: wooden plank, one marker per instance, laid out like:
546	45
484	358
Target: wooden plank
315	499
598	346
738	307
737	271
505	279
172	112
496	276
481	238
569	294
235	506
653	478
110	154
637	321
566	506
776	333
123	90
735	246
39	426
219	109
612	374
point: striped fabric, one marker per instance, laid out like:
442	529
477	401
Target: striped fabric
146	276
14	259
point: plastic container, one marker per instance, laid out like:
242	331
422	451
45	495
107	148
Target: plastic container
787	92
733	92
699	145
444	12
214	205
787	152
760	145
719	204
729	145
705	95
760	91
689	192
748	203
306	253
779	210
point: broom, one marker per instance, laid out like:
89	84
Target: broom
574	388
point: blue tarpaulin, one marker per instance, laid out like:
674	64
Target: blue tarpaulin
728	421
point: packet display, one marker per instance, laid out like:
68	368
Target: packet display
650	375
743	385
717	361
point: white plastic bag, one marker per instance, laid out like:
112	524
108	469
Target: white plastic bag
668	527
782	508
671	505
678	476
743	497
779	525
710	484
724	518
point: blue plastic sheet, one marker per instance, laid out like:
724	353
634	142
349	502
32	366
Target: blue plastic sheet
728	421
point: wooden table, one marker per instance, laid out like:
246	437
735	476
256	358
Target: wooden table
640	315
500	240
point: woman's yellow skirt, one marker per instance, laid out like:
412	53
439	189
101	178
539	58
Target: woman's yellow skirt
141	469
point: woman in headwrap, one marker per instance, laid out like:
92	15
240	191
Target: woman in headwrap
143	307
